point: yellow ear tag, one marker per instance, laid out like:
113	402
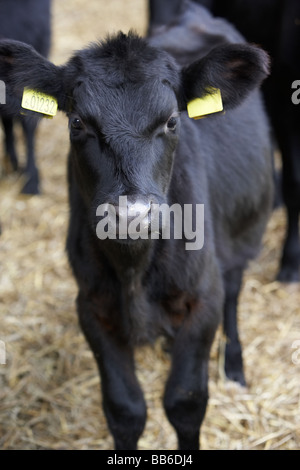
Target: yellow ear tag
39	102
209	104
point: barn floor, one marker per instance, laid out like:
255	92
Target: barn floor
49	386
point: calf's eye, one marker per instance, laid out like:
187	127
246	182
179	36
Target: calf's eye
76	124
172	123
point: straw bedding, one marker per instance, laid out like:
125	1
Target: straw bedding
49	386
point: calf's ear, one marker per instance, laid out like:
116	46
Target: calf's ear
236	69
21	66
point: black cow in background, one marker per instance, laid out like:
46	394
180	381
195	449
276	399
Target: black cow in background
27	21
163	12
275	25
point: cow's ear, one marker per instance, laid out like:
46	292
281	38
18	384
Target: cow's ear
235	69
22	66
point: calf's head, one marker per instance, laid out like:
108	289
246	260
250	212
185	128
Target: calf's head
123	99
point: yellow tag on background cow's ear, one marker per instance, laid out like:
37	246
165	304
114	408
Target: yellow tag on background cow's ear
39	102
209	104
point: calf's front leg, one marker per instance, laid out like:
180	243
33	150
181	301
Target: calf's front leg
123	400
186	393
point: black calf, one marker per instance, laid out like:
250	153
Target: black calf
130	136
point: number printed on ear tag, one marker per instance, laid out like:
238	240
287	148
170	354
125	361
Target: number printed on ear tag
39	102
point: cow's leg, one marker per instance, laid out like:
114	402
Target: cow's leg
10	142
186	393
233	351
31	185
290	261
123	400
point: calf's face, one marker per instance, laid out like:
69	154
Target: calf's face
123	99
124	125
123	140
